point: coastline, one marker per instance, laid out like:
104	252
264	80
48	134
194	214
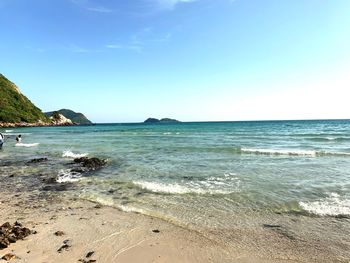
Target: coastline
32	195
112	235
37	124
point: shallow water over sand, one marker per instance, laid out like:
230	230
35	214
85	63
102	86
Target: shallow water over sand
249	183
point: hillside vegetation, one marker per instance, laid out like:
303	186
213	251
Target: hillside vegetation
15	107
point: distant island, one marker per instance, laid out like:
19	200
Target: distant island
164	120
16	110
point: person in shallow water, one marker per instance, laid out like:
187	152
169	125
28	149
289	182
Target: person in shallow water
2	139
19	139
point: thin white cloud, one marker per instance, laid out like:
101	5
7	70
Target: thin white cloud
99	9
90	6
170	4
132	47
114	46
78	49
141	40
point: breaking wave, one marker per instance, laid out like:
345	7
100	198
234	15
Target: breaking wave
212	185
70	154
333	205
311	153
66	176
130	209
26	144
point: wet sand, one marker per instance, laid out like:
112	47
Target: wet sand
112	235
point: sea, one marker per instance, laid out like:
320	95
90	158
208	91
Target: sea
288	177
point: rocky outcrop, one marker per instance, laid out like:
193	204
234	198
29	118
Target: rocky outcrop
37	160
34	124
89	164
75	117
59	120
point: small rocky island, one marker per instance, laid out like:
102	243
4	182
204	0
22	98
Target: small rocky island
164	120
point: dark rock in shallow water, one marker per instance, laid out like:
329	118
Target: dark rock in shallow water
89	254
37	160
91	163
50	180
56	187
80	159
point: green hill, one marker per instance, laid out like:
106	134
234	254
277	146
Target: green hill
15	107
75	117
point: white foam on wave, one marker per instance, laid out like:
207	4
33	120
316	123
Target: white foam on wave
8	130
26	144
280	152
310	153
70	154
331	206
130	209
167	133
212	185
166	188
65	176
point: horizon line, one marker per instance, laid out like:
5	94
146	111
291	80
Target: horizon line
266	120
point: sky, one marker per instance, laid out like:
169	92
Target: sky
192	60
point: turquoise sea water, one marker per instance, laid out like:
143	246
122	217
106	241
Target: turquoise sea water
202	175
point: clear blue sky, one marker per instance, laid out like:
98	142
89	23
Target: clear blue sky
124	61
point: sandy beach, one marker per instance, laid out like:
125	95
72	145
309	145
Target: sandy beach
108	234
